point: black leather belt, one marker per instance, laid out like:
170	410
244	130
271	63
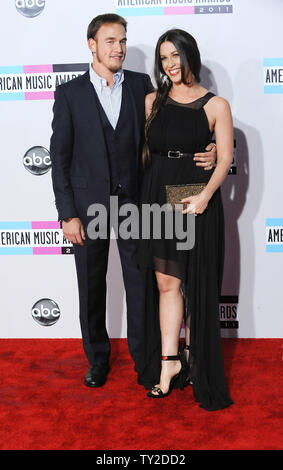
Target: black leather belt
175	154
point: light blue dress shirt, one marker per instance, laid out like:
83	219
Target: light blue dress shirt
110	98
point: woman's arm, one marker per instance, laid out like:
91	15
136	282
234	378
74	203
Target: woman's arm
220	113
149	100
223	130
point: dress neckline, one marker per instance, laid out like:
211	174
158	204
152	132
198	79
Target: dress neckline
191	102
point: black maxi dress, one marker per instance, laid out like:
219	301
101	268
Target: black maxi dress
184	128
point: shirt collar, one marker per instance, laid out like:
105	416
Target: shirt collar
101	83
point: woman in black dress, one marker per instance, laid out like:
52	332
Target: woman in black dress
184	284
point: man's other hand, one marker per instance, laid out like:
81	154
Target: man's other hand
208	158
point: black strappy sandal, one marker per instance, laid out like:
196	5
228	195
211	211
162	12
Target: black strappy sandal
157	389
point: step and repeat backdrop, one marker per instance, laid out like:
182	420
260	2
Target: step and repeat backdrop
43	44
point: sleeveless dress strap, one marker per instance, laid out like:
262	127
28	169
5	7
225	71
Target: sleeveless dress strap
204	99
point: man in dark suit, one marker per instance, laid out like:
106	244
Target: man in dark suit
95	151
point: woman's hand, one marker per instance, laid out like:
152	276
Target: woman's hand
196	204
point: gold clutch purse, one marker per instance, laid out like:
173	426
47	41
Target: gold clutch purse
174	193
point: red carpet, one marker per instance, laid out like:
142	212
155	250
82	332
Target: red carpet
44	404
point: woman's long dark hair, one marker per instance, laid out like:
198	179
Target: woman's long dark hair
190	60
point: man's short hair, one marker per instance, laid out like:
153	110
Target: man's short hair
98	21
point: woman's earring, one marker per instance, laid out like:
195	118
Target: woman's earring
191	79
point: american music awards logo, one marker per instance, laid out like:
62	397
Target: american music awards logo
33	238
36	82
228	307
172	7
274	235
228	312
273	75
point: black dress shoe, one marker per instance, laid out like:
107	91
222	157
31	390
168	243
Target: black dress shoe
96	376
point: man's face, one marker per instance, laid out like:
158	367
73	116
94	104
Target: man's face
109	46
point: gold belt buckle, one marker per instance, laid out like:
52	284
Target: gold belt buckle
176	152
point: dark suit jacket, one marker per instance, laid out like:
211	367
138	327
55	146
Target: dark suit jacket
80	167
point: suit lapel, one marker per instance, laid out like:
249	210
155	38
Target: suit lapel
132	94
88	100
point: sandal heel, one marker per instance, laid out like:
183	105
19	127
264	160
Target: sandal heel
187	380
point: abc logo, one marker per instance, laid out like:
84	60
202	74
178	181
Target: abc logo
30	8
45	312
37	161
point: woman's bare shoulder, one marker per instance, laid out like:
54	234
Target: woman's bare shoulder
149	100
219	103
